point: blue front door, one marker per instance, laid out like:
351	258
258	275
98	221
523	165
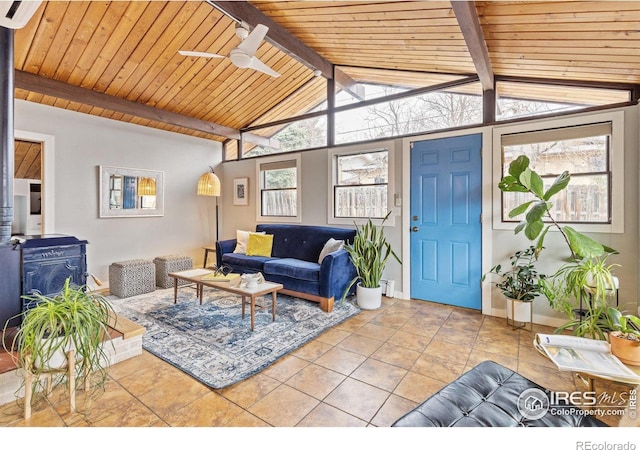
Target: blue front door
446	197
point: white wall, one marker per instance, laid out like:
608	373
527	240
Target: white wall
82	143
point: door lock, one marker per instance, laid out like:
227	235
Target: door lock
415	218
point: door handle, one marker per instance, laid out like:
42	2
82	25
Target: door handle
414	229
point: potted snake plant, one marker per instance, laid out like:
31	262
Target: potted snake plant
369	253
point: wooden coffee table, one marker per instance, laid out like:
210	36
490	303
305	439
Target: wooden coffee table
196	276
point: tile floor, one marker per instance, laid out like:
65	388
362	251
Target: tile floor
368	371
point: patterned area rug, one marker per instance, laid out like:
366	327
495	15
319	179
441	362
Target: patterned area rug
212	342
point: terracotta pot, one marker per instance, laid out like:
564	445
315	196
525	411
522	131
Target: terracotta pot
625	350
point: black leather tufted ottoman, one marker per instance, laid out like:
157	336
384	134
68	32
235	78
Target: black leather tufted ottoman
487	396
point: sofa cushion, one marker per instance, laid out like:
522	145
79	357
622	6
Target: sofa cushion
294	268
330	246
259	244
251	263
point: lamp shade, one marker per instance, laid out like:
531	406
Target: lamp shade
147	186
209	184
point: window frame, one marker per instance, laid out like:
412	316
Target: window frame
616	164
260	182
333	156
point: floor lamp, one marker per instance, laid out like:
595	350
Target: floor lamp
209	184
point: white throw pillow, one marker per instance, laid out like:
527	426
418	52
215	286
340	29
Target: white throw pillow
329	247
242	238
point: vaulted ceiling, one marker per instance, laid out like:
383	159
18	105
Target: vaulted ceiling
120	59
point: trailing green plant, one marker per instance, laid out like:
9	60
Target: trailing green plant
369	253
72	319
520	281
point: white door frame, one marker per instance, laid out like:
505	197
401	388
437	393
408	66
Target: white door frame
48	175
487	180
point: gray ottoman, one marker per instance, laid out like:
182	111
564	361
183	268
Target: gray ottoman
171	263
132	277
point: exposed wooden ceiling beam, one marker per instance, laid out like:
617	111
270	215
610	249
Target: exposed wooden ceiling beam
59	89
469	23
285	41
349	84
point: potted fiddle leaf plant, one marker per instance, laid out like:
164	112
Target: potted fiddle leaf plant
73	319
369	253
587	278
520	283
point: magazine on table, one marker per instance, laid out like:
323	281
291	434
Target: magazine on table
579	354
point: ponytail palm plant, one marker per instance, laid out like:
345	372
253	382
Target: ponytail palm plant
369	253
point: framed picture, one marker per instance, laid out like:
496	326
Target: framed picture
241	191
119	195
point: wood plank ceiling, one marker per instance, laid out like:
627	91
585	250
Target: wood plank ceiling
128	50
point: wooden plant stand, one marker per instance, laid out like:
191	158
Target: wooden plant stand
69	370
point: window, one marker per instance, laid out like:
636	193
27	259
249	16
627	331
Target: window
458	106
361	181
590	151
279	182
517	99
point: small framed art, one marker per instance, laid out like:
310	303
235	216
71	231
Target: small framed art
241	191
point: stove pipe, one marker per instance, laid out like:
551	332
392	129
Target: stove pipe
6	134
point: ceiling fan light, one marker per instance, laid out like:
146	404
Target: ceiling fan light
239	58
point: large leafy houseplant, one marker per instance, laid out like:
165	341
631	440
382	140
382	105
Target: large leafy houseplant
74	319
520	280
587	276
369	253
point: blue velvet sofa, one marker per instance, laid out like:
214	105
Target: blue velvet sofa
294	261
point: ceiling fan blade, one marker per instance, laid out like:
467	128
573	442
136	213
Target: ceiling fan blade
200	54
252	42
262	67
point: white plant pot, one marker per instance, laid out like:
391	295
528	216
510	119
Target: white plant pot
369	298
519	314
58	359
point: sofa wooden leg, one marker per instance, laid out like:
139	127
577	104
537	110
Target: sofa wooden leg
326	304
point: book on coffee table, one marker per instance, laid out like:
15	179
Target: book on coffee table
220	277
579	354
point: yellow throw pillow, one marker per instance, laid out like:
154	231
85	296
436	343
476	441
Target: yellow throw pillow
242	238
259	244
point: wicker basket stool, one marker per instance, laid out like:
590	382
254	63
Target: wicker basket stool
171	263
132	277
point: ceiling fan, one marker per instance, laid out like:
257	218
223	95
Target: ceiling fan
243	56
